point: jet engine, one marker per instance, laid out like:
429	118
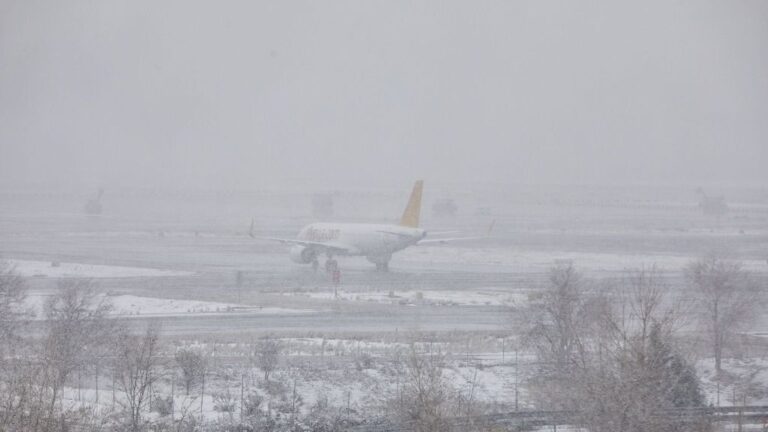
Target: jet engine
302	254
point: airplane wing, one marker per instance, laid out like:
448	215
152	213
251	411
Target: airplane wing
335	248
447	240
394	233
432	241
456	239
443	232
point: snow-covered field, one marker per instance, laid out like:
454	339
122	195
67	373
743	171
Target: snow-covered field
745	379
360	376
541	261
483	297
135	306
31	268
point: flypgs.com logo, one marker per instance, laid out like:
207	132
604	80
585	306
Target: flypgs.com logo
319	235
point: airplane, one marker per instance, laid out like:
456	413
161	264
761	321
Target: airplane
376	242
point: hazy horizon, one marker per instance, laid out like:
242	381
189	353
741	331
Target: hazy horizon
246	95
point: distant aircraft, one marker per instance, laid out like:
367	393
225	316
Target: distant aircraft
376	242
711	205
93	206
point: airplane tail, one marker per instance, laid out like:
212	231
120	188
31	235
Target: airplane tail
413	210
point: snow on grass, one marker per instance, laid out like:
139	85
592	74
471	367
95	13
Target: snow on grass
484	297
135	306
47	269
538	261
744	379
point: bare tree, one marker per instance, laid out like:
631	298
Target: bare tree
633	371
267	355
76	332
725	296
192	365
628	315
558	325
12	312
18	395
137	366
622	369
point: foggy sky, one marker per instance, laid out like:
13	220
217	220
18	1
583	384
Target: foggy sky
251	94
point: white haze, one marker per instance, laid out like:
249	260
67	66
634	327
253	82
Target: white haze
243	94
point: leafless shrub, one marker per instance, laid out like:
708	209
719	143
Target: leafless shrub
323	417
186	419
426	398
363	361
267	355
22	396
224	401
192	365
252	405
163	405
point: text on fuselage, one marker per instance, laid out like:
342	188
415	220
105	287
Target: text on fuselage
321	234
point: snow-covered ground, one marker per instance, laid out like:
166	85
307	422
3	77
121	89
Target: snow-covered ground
538	261
361	376
744	381
484	297
352	374
135	306
29	268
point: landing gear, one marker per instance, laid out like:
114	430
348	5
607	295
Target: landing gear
382	262
331	265
382	266
332	268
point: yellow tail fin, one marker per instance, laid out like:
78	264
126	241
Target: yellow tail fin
413	210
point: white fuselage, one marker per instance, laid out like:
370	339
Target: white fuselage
375	241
